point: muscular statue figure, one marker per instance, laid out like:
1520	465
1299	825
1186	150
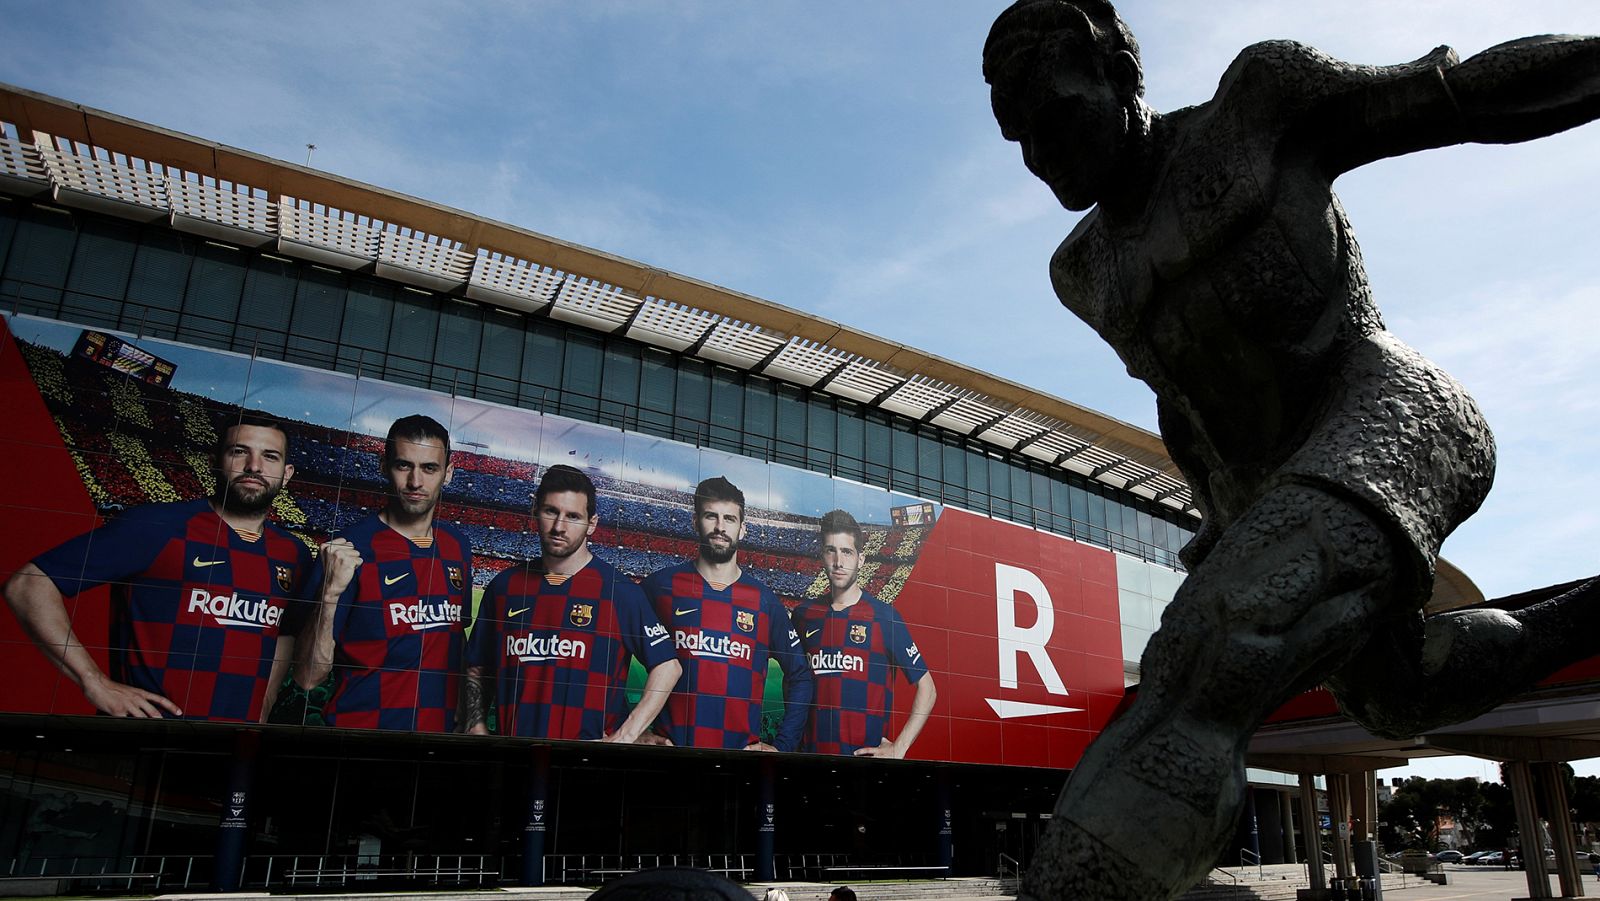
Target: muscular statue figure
1329	460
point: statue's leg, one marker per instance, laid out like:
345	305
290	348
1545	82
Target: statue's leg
1418	674
1285	597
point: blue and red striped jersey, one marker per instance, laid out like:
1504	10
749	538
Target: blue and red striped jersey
855	653
196	608
560	651
399	630
724	639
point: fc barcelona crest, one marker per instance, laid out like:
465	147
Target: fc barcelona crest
745	620
454	574
858	633
581	614
285	577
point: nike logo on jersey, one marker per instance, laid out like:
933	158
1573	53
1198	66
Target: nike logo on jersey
389	581
677	612
519	611
812	633
201	564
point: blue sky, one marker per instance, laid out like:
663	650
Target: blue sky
840	158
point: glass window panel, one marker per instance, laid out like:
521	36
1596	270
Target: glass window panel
102	260
977	480
903	470
216	282
40	255
851	449
318	309
1000	487
821	434
156	285
760	417
500	354
791	446
727	409
580	374
930	465
692	409
268	298
411	337
460	333
543	351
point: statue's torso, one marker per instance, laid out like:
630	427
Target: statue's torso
1239	297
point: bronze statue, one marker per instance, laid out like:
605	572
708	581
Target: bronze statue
1328	459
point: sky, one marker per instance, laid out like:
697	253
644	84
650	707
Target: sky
840	158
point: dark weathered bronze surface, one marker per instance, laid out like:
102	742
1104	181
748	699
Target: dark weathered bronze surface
1329	460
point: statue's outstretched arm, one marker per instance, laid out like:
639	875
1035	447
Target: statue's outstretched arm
1516	91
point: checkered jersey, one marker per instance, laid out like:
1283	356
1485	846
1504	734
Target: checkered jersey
561	651
196	609
724	640
854	653
398	630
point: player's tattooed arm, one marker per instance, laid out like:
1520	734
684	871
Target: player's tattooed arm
474	709
41	610
338	562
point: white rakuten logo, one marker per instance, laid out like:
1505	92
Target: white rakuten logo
700	644
422	617
825	663
542	648
232	610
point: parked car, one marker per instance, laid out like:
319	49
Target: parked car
1449	855
1476	857
1493	859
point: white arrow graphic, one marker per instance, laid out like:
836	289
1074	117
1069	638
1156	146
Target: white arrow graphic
1009	710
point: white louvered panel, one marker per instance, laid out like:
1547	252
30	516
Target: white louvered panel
216	212
918	397
1052	446
323	238
511	283
862	380
1013	430
22	171
670	325
1092	458
600	307
966	414
804	362
424	261
104	186
739	344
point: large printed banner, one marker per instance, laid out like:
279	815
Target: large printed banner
128	593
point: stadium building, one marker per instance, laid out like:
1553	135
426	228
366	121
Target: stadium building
155	285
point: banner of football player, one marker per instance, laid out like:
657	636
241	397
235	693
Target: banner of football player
139	584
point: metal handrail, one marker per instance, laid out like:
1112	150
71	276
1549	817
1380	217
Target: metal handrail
1000	866
1245	855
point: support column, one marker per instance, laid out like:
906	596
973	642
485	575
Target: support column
233	828
766	822
1311	825
1339	811
1520	776
533	831
1553	793
946	822
1254	824
1291	854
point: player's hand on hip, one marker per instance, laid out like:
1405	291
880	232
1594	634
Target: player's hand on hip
340	560
759	746
116	699
885	748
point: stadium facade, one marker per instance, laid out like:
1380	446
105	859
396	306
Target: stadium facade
155	285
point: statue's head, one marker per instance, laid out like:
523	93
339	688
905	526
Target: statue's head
1066	83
